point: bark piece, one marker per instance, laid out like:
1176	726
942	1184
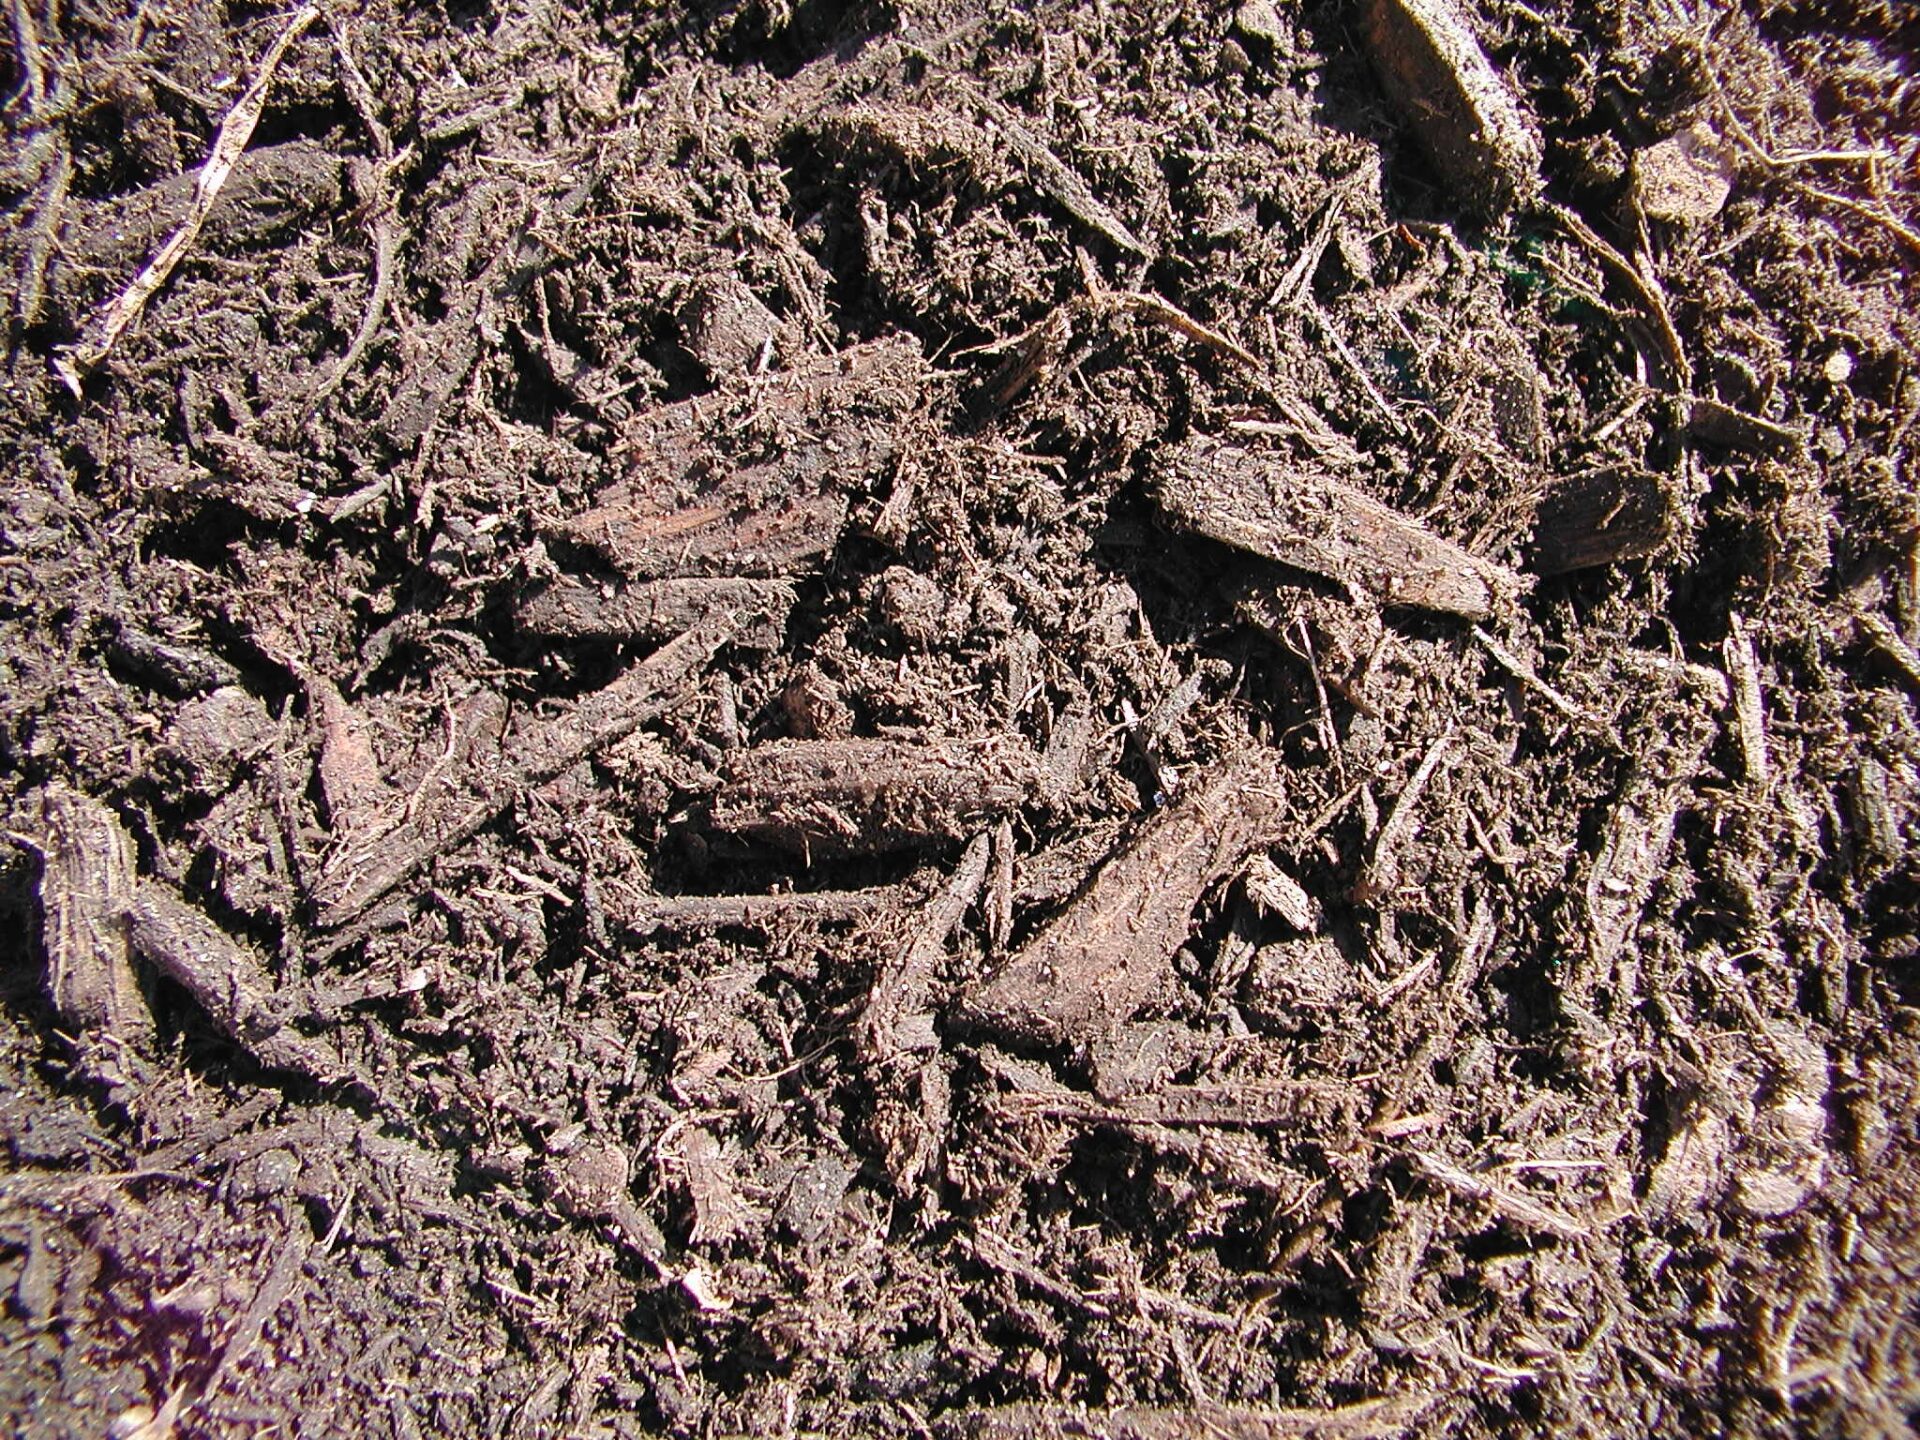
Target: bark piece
1715	422
1599	519
227	980
1467	119
86	883
681	512
371	866
1096	963
860	797
726	328
1317	524
654	609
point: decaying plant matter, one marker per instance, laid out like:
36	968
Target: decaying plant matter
992	721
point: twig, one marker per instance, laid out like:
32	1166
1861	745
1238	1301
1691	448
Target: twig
1174	318
1381	877
385	245
1340	348
46	220
1906	234
26	47
1644	290
1749	710
112	320
1509	1204
1524	673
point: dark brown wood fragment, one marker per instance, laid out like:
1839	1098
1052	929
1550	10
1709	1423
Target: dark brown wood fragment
681	512
226	980
1258	1105
1599	519
1717	423
655	609
1461	108
1102	958
1314	523
86	883
860	797
897	1016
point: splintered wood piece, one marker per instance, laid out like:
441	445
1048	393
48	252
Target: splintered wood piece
654	609
909	957
225	979
644	915
1096	963
1314	523
1639	833
1380	1419
1598	519
86	882
1467	119
681	512
862	797
370	867
1316	1105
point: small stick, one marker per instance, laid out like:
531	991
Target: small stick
1904	233
1381	877
26	41
1644	290
1749	711
1524	673
112	320
1174	318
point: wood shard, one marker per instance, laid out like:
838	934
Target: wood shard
652	610
227	980
751	912
364	867
1102	958
86	882
860	797
1467	119
1377	1419
1317	524
830	427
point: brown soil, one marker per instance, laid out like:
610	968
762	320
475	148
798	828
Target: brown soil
980	721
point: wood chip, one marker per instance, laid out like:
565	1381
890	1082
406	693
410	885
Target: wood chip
1315	523
1102	958
86	884
1600	519
676	514
1461	108
862	797
1366	1420
367	867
